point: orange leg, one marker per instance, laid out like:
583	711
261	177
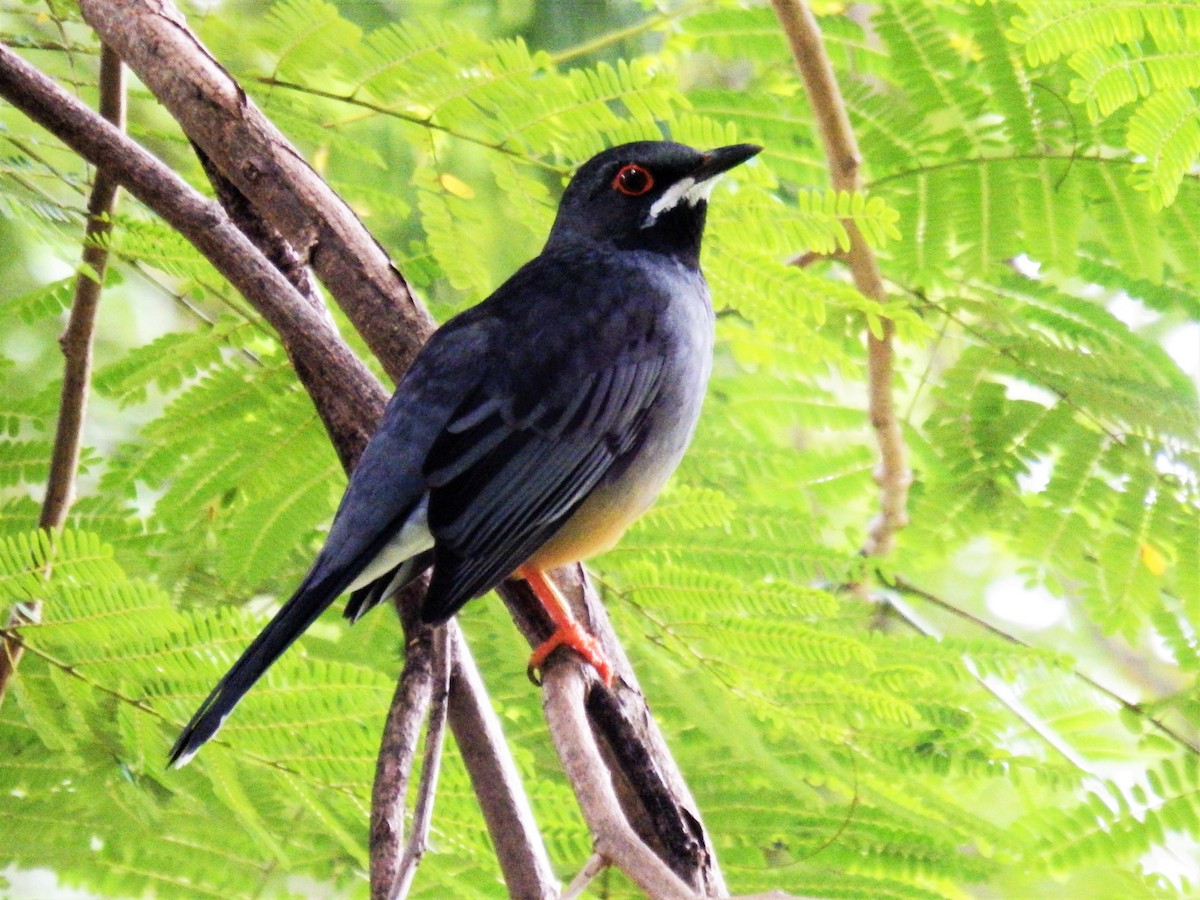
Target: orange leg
567	631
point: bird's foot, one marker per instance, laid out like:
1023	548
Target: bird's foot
571	634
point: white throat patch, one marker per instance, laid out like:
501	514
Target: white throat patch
687	190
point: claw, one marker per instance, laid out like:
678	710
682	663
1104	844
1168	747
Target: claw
572	635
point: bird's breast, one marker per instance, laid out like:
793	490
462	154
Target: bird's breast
686	330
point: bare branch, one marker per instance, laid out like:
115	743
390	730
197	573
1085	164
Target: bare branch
593	867
431	762
265	237
653	797
841	150
495	780
347	396
397	750
76	343
564	694
154	41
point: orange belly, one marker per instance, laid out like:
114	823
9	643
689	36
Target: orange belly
595	527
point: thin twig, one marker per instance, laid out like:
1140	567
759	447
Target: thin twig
841	150
431	763
593	867
997	688
76	343
904	587
397	750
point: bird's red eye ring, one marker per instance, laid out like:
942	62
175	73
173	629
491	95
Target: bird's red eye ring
633	180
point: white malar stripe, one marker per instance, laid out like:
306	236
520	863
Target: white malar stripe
413	538
687	189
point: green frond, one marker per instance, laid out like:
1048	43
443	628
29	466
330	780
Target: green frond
156	244
398	59
1130	235
1165	297
782	125
921	55
1166	131
1050	199
1012	88
42	302
305	35
24	462
1049	30
170	361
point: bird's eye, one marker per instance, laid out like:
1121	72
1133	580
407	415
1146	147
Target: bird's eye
633	180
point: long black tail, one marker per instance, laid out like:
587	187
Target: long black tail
309	601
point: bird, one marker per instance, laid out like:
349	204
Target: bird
531	429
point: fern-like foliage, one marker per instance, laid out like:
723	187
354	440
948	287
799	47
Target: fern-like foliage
1142	54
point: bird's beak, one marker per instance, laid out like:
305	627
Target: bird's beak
723	159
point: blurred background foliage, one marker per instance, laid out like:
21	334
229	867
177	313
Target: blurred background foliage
1032	190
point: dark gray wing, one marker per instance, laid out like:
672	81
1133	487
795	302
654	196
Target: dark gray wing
506	472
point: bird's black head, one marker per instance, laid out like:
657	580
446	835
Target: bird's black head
648	195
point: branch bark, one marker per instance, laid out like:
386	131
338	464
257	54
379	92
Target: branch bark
398	749
76	343
215	113
495	780
431	762
841	150
347	396
564	698
652	794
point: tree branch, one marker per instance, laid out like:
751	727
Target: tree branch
495	780
564	692
431	761
841	150
215	113
76	343
652	794
347	396
397	748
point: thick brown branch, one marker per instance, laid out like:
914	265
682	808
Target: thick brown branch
841	150
347	396
76	344
154	41
563	698
266	238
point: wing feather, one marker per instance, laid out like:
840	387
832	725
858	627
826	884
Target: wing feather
490	510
